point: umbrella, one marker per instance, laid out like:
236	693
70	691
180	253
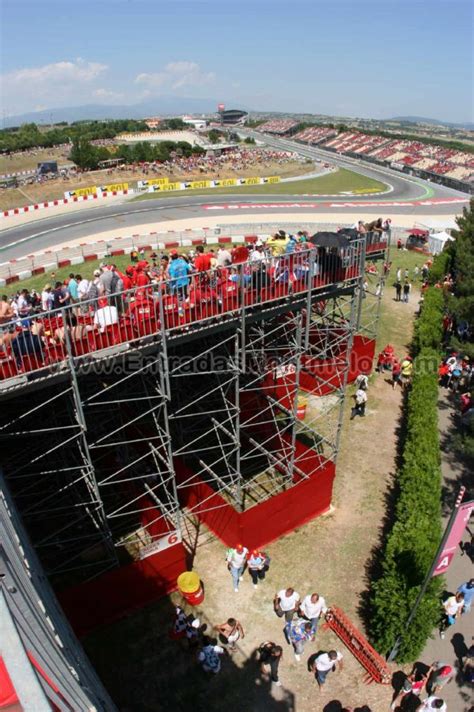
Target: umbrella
349	232
329	239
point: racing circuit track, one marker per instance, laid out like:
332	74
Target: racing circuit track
407	196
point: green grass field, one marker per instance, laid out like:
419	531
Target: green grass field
342	181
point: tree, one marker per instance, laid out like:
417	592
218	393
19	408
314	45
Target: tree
462	253
214	135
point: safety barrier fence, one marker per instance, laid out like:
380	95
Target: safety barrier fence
110	324
18	269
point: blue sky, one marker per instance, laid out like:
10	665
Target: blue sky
375	58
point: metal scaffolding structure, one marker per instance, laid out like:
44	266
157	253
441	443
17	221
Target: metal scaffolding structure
103	455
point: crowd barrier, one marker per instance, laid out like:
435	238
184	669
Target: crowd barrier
19	269
111	324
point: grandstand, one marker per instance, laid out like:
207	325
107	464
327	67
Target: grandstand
279	127
315	134
431	159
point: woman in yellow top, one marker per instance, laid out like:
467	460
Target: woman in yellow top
277	243
406	371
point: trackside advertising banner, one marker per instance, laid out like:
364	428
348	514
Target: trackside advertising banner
80	192
200	184
94	190
460	523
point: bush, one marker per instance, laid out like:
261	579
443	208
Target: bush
413	540
429	327
440	267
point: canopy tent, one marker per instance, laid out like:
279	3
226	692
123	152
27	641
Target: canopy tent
437	241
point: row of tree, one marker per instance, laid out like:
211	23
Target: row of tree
416	530
31	136
460	262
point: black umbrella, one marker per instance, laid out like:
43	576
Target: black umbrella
329	239
349	232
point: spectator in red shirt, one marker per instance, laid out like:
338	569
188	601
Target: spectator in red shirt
142	308
141	275
240	254
202	261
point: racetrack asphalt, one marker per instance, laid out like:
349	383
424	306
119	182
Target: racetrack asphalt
126	217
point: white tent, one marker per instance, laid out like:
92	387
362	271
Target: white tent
437	241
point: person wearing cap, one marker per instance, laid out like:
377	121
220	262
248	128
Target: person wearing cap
440	674
236	559
286	602
258	566
406	371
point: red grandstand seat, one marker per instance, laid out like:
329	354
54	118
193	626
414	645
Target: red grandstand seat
31	362
8	367
54	353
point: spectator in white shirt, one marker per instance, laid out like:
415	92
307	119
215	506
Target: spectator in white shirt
324	663
286	603
47	298
236	559
83	293
224	258
257	254
312	608
107	316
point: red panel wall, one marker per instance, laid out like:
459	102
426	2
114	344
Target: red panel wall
119	592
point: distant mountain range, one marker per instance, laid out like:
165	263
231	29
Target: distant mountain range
171	106
167	105
435	122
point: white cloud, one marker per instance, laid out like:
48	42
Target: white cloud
176	75
50	85
77	71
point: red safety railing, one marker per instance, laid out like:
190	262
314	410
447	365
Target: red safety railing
45	340
376	667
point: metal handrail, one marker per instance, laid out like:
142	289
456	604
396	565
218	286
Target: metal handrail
94	329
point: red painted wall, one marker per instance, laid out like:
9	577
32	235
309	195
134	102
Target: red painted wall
121	591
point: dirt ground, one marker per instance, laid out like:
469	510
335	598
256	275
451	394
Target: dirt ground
145	672
53	189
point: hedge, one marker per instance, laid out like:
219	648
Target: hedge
416	532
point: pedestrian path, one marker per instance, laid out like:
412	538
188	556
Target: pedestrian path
458	696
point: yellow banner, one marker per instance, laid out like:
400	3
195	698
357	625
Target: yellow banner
168	186
194	184
225	182
272	179
156	181
250	181
78	192
114	187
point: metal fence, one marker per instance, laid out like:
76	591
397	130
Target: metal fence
109	324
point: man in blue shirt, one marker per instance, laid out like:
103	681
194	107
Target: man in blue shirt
468	590
298	632
178	271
